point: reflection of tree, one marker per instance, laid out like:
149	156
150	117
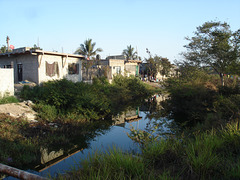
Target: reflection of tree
66	138
159	116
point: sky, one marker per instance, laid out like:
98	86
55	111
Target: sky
159	25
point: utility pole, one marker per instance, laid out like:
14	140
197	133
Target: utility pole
7	43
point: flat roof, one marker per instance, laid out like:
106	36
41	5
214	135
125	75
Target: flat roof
26	50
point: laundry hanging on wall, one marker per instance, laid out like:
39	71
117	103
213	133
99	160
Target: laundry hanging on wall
52	69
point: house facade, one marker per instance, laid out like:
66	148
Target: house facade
40	66
132	67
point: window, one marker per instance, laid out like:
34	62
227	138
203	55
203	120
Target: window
117	69
73	68
7	66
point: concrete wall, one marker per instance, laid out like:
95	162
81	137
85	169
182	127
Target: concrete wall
29	66
34	66
114	63
63	63
130	69
6	82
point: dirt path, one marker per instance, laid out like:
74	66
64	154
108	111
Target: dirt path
16	110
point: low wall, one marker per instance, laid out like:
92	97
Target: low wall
6	82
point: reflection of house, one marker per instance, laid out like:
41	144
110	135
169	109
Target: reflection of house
39	66
49	159
128	116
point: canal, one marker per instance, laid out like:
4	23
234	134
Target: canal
63	159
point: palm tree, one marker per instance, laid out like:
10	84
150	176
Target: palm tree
130	53
87	49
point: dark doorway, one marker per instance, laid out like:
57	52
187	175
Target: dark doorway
19	71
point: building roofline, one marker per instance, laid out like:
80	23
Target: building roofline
26	50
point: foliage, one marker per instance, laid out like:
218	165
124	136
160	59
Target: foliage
204	155
87	49
166	66
130	53
141	137
113	164
8	99
13	143
153	65
89	101
157	65
22	143
3	49
213	45
46	112
196	97
36	47
191	100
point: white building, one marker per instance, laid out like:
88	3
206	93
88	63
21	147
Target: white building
39	66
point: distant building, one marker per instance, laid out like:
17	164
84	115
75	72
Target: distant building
39	66
119	65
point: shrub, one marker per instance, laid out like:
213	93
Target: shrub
46	112
89	101
8	99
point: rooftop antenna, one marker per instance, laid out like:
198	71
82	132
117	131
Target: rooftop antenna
38	42
137	53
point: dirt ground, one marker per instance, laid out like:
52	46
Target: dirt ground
154	84
23	109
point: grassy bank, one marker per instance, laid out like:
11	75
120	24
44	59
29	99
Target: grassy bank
210	155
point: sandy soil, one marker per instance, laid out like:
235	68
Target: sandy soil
16	110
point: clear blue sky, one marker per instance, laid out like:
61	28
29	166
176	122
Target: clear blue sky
159	25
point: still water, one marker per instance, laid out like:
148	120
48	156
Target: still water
56	162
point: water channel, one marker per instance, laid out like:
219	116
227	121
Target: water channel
59	161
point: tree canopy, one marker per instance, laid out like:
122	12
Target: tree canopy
3	49
87	49
130	53
157	64
214	45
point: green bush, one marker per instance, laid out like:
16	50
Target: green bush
193	101
8	99
46	112
89	101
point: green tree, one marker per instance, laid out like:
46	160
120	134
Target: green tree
165	66
36	47
157	64
153	65
88	50
130	53
3	49
214	45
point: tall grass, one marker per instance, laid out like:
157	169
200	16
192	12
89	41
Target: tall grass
114	164
213	154
8	99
